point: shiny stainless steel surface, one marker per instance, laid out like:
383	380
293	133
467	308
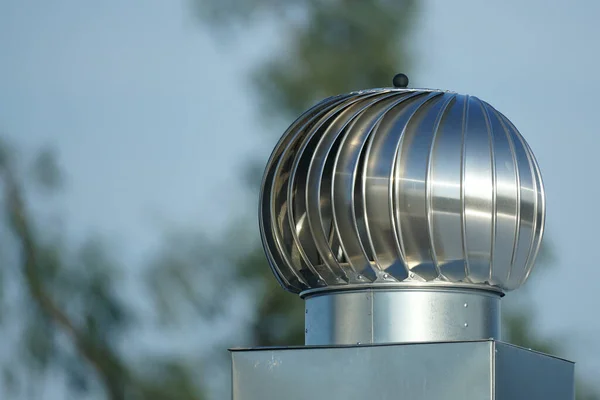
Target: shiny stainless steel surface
402	186
433	314
482	370
401	216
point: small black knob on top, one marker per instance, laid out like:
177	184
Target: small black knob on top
400	81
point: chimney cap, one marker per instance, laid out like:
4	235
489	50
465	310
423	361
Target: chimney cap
402	187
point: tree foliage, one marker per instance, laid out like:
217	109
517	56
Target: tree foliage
66	308
328	47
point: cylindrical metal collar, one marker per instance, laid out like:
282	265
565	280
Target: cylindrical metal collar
401	315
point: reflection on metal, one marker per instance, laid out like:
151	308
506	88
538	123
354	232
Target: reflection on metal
401	216
401	187
401	316
483	370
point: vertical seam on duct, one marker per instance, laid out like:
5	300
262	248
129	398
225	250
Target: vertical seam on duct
372	298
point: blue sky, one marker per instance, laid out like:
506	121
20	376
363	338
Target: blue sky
153	118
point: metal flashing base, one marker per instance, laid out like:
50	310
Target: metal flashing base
477	370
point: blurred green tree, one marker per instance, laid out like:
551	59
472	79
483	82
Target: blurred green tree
65	313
